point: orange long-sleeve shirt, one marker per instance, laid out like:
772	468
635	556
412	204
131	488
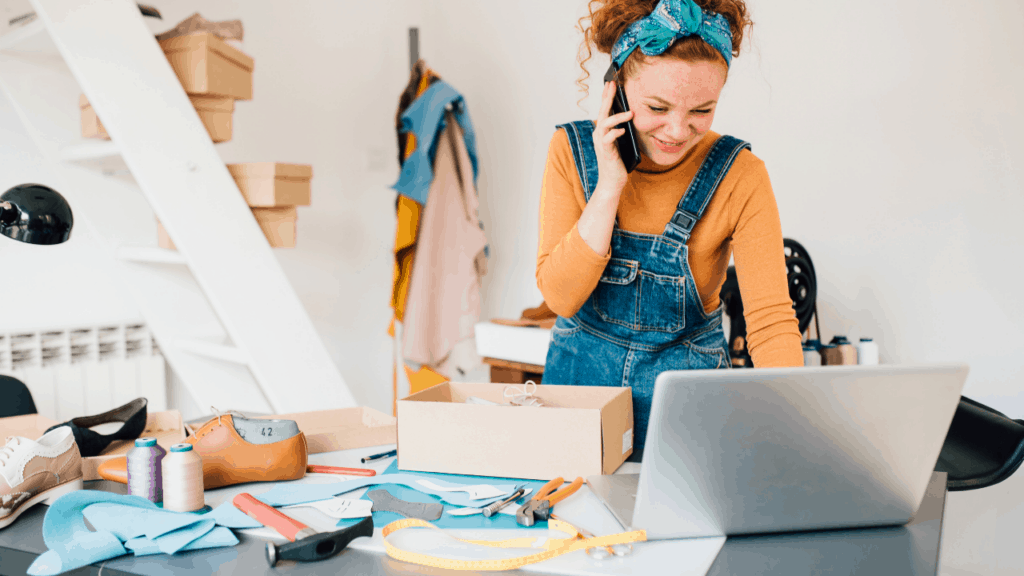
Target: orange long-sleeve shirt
742	217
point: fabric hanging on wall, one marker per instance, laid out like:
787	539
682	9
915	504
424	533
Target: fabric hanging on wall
444	293
432	116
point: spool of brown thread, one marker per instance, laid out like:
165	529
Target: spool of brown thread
830	355
847	351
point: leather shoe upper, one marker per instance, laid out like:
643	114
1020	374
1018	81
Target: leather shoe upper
229	459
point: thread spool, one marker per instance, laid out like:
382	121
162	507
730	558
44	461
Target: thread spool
847	351
830	355
145	477
183	479
811	356
867	352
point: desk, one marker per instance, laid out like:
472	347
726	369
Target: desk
902	550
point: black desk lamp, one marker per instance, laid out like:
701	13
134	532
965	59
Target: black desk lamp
35	214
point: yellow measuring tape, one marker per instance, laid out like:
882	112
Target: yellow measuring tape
554	547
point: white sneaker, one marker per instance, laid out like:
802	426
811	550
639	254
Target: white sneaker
37	471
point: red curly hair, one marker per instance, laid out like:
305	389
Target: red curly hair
612	18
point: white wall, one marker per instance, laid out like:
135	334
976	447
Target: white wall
49	286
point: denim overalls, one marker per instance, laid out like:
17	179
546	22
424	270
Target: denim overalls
645	315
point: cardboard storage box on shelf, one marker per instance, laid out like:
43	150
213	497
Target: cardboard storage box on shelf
343	429
273	184
582	431
214	111
278	225
166	427
207	65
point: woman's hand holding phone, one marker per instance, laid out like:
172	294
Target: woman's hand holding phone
598	219
612	172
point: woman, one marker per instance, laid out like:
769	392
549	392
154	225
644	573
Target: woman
633	262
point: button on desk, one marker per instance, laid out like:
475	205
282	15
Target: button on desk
902	550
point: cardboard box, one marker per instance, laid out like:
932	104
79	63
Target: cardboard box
166	427
215	112
207	65
584	431
343	429
273	184
278	225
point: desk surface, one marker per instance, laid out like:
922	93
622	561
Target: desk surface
904	550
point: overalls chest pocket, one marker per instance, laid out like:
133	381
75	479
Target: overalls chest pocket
638	299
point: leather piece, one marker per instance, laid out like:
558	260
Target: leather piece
384	501
229	459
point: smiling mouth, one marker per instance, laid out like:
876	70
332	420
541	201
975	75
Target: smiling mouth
669	144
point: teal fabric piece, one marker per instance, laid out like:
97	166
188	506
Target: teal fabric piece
71	544
171	530
669	21
499	521
118	518
228	516
288	494
216	538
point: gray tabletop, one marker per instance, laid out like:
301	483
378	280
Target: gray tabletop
902	550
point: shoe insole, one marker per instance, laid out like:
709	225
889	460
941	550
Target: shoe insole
107	427
256	431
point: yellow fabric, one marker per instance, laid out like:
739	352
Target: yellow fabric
553	547
423	378
408	214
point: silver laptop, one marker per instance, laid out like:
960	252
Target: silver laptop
786	449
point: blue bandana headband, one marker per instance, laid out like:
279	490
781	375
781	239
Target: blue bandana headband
671	20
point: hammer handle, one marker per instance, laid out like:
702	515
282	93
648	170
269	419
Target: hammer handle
270	517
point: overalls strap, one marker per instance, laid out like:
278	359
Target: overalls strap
695	200
581	140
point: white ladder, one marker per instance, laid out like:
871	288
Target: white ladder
222	310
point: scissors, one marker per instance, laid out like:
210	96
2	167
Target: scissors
600	552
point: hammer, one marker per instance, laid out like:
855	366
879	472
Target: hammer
306	544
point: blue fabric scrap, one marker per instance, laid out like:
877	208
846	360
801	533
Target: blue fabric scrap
425	118
118	518
216	538
288	494
498	521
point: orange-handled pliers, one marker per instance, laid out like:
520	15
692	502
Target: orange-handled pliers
539	507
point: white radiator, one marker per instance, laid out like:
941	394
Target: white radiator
84	371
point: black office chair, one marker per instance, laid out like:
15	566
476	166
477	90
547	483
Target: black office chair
17	399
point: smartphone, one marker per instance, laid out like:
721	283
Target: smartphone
629	151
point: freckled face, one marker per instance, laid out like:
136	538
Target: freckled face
673	102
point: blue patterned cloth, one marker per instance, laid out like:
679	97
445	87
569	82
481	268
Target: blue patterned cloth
671	20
